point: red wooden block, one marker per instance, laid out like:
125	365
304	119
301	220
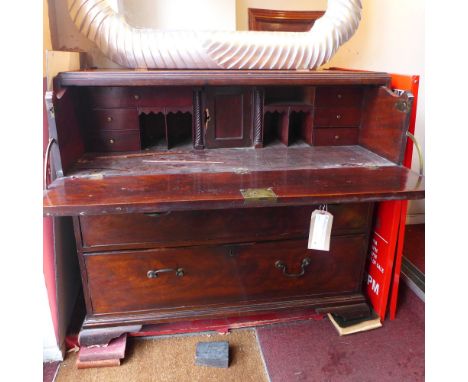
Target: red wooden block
93	364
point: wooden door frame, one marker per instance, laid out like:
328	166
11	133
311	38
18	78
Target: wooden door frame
292	20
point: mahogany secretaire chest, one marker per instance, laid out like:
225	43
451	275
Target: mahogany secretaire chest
192	191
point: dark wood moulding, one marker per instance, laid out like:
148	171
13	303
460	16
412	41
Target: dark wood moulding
240	309
219	77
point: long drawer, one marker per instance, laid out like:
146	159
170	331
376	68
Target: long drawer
204	275
132	231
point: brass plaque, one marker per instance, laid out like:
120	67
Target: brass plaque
259	195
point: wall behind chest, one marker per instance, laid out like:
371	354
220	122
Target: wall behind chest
162	14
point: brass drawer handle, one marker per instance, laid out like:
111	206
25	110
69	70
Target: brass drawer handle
282	266
154	274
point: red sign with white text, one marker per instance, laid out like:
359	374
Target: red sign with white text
382	254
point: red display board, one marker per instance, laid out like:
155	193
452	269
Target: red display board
382	254
398	259
408	83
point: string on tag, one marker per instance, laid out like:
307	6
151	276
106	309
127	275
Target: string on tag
323	208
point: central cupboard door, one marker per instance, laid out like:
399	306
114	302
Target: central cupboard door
228	117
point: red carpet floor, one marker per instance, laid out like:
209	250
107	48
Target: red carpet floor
313	351
49	370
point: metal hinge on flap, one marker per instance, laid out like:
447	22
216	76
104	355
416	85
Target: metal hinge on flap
259	195
404	105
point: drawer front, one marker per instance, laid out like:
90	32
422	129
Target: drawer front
198	276
113	97
114	140
121	97
124	231
337	117
336	136
172	98
114	119
331	96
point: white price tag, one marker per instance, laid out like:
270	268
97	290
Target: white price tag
320	230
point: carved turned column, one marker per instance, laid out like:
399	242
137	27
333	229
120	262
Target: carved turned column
198	138
258	118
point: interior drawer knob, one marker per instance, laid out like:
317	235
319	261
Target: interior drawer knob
109	119
136	97
282	266
339	96
153	274
112	141
338	116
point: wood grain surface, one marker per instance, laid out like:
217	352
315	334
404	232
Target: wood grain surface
118	281
110	77
182	228
158	193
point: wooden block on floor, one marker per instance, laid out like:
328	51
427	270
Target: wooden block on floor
102	336
95	364
115	350
215	354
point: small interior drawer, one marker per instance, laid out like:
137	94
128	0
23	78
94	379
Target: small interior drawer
171	98
337	117
198	276
132	96
114	140
113	97
339	96
178	228
114	119
336	136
